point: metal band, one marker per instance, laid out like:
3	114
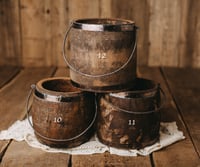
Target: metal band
93	25
143	112
55	98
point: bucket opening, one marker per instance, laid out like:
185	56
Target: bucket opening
59	85
104	21
142	88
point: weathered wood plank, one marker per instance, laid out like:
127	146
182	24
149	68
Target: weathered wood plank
36	33
83	9
166	25
7	73
192	55
138	11
182	153
59	24
106	159
185	87
21	154
13	97
10	40
26	155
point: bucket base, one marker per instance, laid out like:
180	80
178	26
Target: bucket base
66	144
133	145
104	89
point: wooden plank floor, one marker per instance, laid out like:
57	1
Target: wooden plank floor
182	88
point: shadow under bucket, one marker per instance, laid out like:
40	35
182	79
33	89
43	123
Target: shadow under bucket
62	115
102	55
130	119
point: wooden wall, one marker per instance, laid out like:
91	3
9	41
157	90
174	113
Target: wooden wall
32	31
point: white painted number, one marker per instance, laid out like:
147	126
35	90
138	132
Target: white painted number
57	119
131	122
101	55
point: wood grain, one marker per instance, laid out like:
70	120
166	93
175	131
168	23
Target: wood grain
164	30
10	37
106	159
25	156
21	154
7	73
138	11
192	57
83	9
13	97
36	33
184	85
183	152
32	32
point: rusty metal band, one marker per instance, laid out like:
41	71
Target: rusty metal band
142	112
56	98
81	24
132	56
52	139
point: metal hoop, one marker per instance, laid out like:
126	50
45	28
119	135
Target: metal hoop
143	112
100	75
52	139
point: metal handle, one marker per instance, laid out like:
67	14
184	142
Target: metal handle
52	139
143	112
100	75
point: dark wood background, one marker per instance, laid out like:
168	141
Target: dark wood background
32	31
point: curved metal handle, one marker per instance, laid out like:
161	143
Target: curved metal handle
100	75
52	139
143	112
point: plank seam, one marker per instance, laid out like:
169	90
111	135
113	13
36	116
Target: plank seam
4	149
14	75
70	161
151	160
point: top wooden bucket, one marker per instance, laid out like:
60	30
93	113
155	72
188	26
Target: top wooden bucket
102	55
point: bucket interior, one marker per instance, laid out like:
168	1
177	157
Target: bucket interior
142	88
144	96
59	85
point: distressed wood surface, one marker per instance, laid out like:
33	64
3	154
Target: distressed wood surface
127	9
7	73
32	32
36	36
181	153
13	98
34	157
10	33
21	154
185	87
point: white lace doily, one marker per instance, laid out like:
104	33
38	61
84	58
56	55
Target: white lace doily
21	130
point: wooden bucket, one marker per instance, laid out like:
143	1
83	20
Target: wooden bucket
62	115
102	54
130	119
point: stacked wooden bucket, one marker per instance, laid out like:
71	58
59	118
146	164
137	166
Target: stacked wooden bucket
103	93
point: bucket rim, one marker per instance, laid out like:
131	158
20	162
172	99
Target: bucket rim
104	24
143	93
55	94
